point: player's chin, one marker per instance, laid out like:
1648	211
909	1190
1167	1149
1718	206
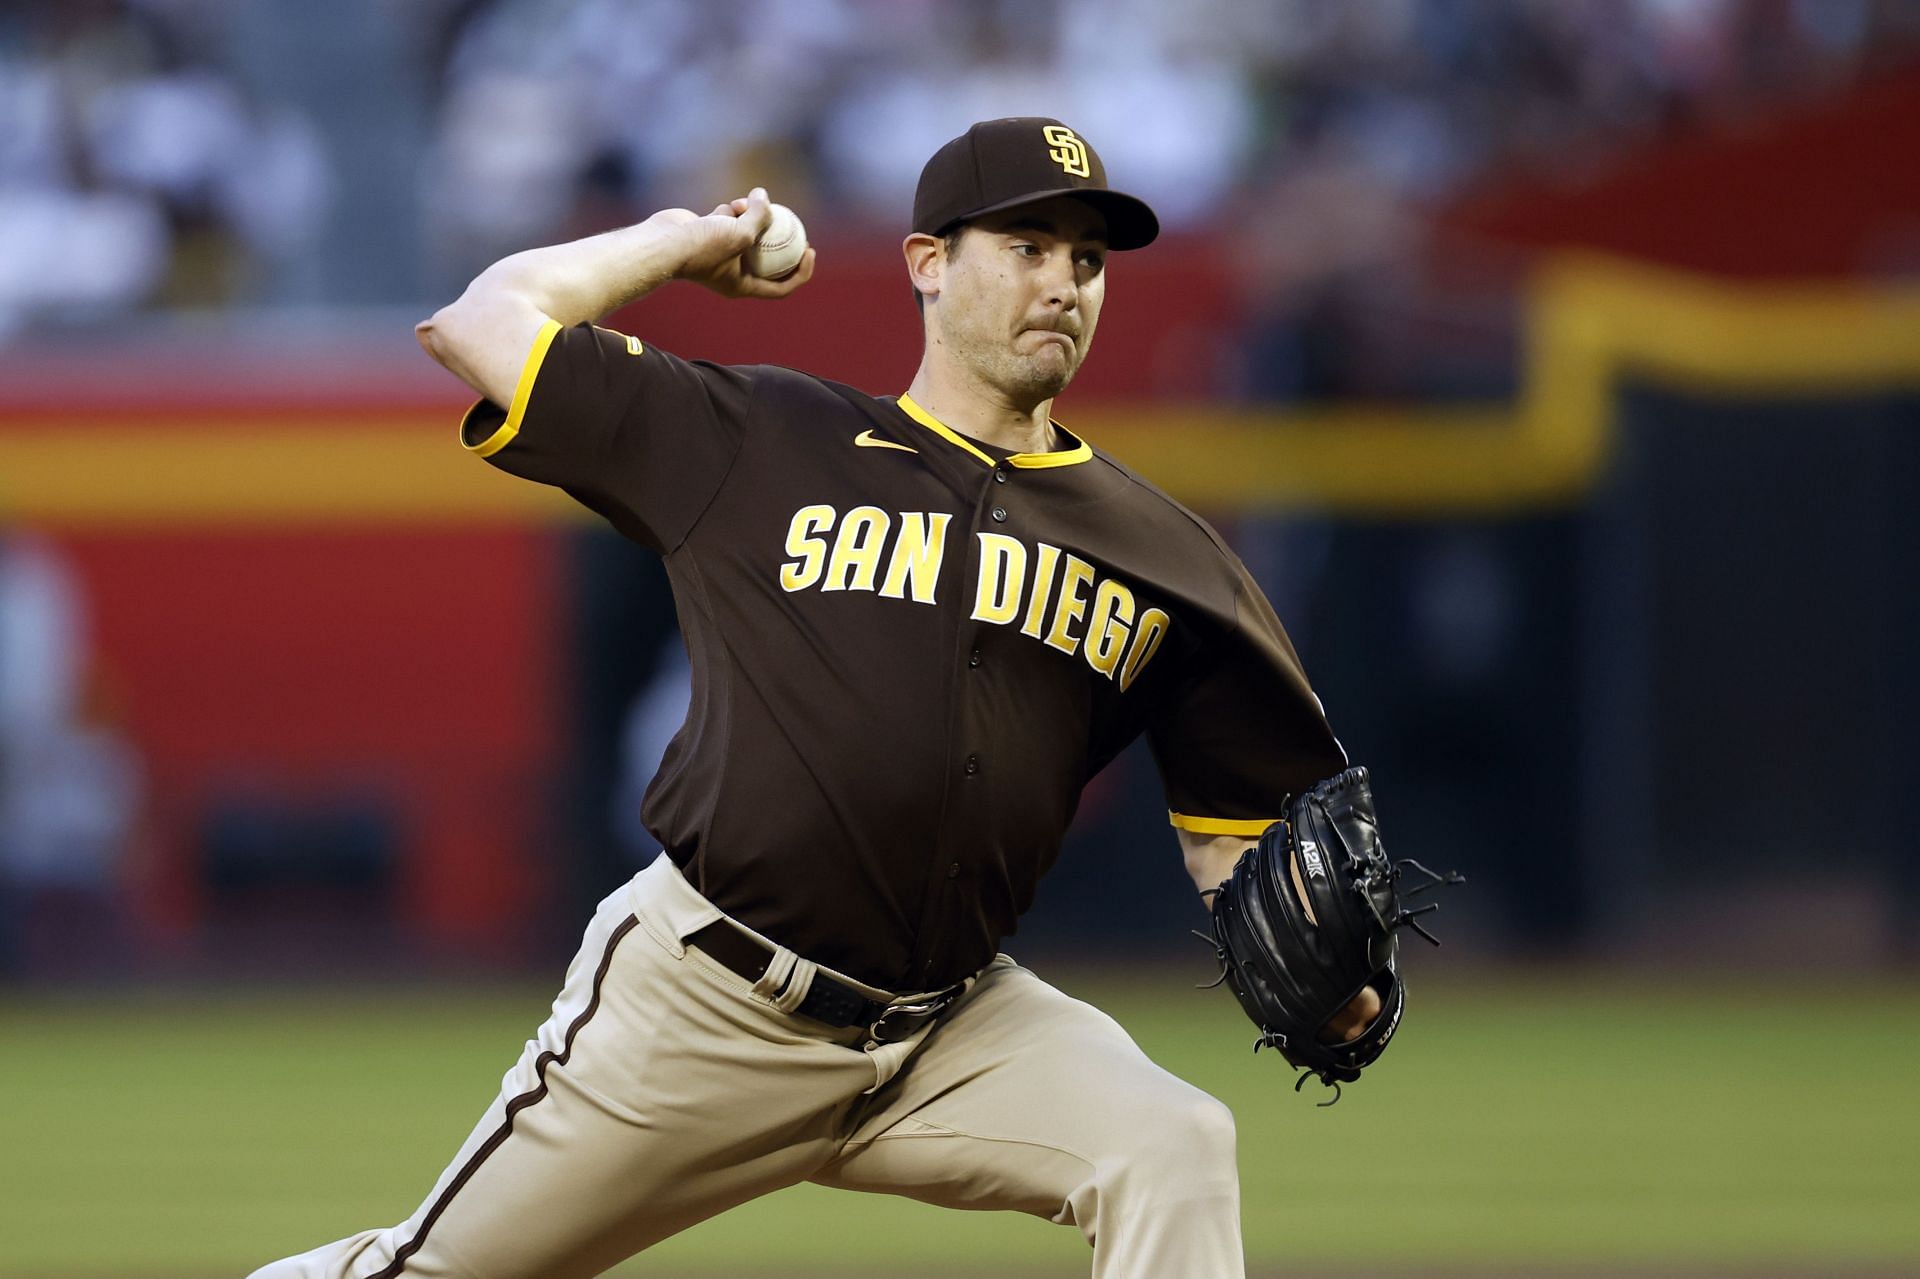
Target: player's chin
1046	374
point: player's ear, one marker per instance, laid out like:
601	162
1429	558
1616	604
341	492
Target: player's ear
926	256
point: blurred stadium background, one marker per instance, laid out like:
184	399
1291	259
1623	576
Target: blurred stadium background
1554	363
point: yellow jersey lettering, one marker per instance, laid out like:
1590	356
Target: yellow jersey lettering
1003	571
845	553
1107	630
1147	634
917	552
1042	590
803	541
856	550
1074	579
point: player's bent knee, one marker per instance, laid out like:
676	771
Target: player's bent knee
1211	1133
1192	1142
1214	1122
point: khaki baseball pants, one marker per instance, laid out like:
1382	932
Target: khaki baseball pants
664	1089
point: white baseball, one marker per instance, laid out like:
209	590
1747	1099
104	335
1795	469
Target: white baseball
776	254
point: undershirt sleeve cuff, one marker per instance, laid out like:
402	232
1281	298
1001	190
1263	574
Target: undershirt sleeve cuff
522	391
1220	825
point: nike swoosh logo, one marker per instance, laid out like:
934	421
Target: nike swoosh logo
867	440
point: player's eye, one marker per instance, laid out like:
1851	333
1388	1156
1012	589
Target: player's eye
1093	259
1025	249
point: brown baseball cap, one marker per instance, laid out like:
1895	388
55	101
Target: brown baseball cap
1001	164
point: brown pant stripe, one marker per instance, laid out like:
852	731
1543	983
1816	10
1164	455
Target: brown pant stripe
514	1107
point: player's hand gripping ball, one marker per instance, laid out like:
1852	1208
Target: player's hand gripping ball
722	252
776	254
1307	921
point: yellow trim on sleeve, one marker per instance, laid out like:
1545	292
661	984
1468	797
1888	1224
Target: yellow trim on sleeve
1032	461
522	391
1219	825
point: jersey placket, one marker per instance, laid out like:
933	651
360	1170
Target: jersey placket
956	849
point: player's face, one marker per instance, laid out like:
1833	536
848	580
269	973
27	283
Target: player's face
1020	294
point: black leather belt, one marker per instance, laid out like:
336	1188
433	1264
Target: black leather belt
827	1000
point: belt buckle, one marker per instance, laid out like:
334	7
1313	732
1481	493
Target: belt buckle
914	1015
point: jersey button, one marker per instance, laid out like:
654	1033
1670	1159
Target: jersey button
1000	475
973	658
1000	513
973	764
953	871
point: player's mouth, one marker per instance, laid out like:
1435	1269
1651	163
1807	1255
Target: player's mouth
1062	336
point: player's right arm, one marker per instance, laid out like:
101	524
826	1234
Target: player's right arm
483	337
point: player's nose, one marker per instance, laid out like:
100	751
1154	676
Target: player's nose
1059	284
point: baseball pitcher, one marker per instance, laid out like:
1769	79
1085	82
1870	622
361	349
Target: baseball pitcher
918	624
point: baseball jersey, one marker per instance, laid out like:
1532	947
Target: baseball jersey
910	650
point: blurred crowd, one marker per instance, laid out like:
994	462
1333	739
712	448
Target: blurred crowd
1191	105
135	171
139	168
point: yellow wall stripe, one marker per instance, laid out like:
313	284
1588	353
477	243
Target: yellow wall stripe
1590	322
114	477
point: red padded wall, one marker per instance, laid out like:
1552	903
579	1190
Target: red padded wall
420	659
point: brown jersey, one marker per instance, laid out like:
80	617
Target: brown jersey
910	651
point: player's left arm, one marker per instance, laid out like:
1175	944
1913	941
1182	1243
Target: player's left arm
1241	737
1210	858
1237	732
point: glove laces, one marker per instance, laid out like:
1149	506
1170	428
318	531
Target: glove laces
1410	918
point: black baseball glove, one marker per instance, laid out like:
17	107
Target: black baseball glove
1307	920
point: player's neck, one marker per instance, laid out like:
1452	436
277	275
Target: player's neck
972	408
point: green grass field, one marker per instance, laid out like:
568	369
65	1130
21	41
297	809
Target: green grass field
1553	1123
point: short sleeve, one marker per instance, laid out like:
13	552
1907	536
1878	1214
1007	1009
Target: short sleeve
641	436
1239	729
